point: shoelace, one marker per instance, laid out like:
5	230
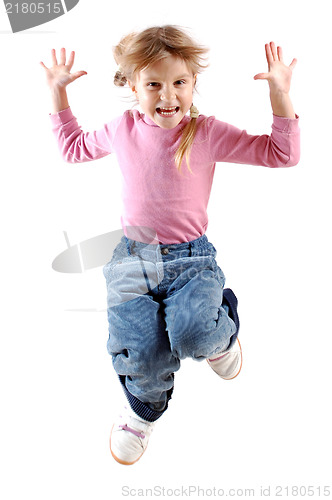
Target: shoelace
129	429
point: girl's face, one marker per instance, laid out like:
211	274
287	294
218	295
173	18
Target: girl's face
165	91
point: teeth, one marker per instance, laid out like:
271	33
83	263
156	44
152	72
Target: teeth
167	111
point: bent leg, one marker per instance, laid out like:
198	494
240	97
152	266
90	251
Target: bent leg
138	341
140	350
197	323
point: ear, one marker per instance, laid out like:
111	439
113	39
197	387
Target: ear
132	86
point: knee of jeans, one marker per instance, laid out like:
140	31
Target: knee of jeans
199	332
145	371
193	348
130	358
190	337
128	363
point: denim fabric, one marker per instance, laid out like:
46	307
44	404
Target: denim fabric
164	304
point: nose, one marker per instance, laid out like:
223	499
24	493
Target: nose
167	93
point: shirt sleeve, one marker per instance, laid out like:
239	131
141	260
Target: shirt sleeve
77	146
280	149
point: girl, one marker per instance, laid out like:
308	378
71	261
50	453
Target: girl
166	296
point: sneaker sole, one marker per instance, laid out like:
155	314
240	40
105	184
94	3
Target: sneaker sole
122	462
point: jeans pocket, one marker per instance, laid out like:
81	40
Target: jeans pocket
129	279
120	253
220	276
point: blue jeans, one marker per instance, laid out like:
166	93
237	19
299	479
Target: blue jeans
165	303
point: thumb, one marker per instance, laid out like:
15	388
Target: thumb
261	76
78	74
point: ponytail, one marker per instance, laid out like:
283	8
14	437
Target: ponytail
120	54
187	139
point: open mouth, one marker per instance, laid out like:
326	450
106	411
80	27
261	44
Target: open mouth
168	111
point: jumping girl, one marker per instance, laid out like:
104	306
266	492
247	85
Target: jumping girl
166	296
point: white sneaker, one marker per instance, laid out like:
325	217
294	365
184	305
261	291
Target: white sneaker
227	364
129	437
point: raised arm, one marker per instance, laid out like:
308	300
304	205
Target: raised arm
279	77
58	76
75	145
282	147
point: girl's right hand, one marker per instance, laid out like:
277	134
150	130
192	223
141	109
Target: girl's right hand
59	76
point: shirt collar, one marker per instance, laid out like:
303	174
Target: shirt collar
150	122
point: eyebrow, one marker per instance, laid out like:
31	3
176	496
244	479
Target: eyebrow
154	77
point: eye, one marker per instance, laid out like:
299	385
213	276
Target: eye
180	82
152	84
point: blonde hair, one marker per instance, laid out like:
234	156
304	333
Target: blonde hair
137	51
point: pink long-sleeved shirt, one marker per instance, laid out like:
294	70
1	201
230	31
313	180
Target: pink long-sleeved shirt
155	195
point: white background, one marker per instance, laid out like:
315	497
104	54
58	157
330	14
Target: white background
59	394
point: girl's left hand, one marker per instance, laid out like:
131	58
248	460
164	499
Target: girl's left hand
279	74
